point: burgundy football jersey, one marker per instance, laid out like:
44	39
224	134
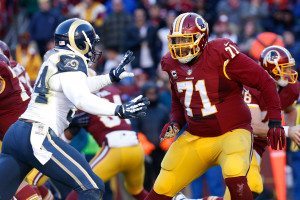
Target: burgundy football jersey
288	95
207	93
13	98
22	75
99	126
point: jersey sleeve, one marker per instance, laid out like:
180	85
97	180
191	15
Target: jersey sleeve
71	62
246	71
177	111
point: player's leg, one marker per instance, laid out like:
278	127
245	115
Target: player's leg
69	167
235	161
12	172
36	178
185	160
13	165
105	164
134	171
253	176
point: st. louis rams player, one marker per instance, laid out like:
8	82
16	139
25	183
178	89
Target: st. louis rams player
61	87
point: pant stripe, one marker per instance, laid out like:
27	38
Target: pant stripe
68	172
99	157
73	161
37	178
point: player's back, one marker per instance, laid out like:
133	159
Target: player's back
13	97
213	103
100	126
48	103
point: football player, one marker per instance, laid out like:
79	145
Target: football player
279	63
61	87
120	151
207	81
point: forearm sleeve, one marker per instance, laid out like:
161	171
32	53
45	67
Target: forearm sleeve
95	83
75	87
246	71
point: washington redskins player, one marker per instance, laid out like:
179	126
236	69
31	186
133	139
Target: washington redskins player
207	81
279	63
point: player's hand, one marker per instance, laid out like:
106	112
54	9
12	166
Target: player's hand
120	72
169	130
134	108
294	134
276	136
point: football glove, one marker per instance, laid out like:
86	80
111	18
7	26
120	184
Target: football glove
169	130
133	109
276	136
118	73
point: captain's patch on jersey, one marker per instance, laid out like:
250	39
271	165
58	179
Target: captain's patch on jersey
2	84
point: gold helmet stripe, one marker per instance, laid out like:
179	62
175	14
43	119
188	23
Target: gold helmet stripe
71	35
177	21
181	22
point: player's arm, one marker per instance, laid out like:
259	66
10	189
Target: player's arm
95	83
74	86
247	72
177	119
259	128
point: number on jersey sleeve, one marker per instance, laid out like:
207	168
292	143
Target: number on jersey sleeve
187	86
40	87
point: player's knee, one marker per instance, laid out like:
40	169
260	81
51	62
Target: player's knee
165	183
255	181
235	165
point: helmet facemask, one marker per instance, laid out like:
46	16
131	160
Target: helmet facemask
184	47
285	73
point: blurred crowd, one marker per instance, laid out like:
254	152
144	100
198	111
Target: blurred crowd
142	27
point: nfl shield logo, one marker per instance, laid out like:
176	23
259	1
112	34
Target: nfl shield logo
174	74
189	72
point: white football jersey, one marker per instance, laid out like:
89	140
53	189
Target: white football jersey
48	104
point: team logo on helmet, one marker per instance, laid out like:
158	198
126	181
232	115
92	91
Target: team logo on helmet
72	36
201	24
272	57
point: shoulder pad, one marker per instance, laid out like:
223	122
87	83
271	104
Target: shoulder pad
166	61
224	48
71	62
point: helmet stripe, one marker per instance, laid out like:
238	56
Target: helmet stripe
177	22
182	20
71	35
